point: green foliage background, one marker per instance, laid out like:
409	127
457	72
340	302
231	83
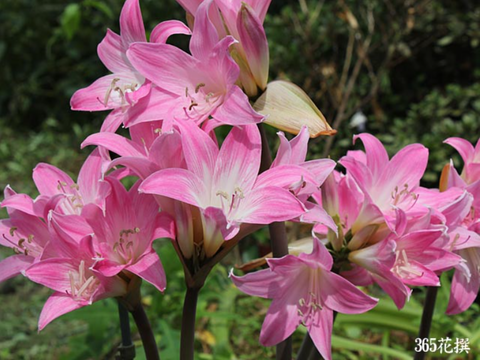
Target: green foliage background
412	67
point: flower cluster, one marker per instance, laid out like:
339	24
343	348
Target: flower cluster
372	224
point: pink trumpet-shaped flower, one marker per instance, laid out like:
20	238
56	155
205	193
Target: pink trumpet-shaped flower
123	236
200	85
304	291
74	280
27	235
464	227
58	191
222	184
126	85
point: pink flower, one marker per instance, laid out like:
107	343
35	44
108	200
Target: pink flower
197	86
27	235
304	291
74	280
126	85
223	184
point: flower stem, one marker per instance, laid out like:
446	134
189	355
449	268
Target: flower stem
278	240
127	349
427	316
188	324
146	333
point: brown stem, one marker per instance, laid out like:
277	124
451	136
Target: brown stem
427	316
146	333
187	341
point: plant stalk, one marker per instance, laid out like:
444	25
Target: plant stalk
278	240
126	349
427	316
146	333
187	341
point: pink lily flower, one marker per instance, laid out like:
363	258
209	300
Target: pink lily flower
27	235
200	85
223	184
74	280
464	228
124	234
58	191
244	21
304	291
125	86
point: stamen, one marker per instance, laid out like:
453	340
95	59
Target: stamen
72	283
197	88
85	285
109	91
12	230
192	105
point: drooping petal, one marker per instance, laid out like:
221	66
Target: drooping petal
464	148
236	110
165	29
57	305
320	330
115	143
150	269
52	273
262	283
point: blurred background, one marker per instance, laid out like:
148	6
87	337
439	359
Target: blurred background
405	70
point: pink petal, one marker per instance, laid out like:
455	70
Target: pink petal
14	265
377	157
90	178
199	150
262	283
150	269
284	152
115	143
204	36
320	330
101	94
284	176
112	53
464	291
165	65
57	305
165	29
267	205
49	180
52	273
464	148
23	203
236	109
254	42
320	169
131	23
142	168
238	160
178	184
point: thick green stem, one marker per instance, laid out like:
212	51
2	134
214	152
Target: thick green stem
146	333
127	349
427	316
187	340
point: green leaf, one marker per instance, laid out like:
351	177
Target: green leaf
70	20
343	343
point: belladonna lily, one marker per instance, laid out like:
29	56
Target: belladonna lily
123	236
200	85
223	184
27	235
125	86
464	228
72	276
304	291
58	191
